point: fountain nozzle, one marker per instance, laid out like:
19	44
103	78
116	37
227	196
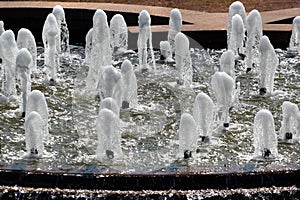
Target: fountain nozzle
162	57
226	125
204	139
51	82
125	104
266	153
110	154
187	154
288	136
34	151
262	91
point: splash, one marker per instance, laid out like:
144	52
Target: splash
62	41
129	96
237	36
111	84
294	45
34	134
289	121
37	102
203	113
264	136
23	62
25	39
224	89
9	53
187	136
268	64
175	24
165	51
227	63
49	35
235	8
145	41
100	55
254	34
118	35
109	136
183	60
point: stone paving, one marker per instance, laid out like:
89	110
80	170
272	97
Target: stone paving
201	21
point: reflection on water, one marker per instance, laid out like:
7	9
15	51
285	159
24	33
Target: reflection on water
150	130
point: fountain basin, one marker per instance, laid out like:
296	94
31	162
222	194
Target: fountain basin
183	178
155	182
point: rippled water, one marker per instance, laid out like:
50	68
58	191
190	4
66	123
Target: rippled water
149	131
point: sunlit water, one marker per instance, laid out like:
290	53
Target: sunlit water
149	131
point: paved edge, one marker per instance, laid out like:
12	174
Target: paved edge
200	21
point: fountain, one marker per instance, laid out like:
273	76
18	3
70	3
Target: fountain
224	89
109	136
100	55
203	113
267	65
111	104
237	36
254	34
141	135
187	136
23	61
288	129
175	24
294	46
9	52
25	39
130	87
62	39
236	7
165	51
36	102
88	47
264	136
145	41
118	34
49	34
1	27
111	85
34	134
183	60
227	63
